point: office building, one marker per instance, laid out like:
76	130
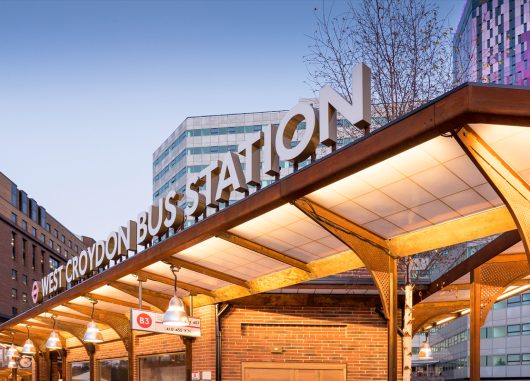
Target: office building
32	243
492	41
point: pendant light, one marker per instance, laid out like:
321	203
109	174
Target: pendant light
175	314
28	348
92	334
425	349
12	352
12	363
53	342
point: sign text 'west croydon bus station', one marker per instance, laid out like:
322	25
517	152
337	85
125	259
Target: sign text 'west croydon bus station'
215	182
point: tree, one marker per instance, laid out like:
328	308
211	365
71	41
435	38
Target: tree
405	43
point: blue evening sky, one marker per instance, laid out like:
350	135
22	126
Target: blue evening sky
89	89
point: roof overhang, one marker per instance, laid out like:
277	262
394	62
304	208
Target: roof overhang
407	188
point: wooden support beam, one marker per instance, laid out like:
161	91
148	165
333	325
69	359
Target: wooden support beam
464	229
371	248
509	185
207	271
392	324
320	268
162	279
118	302
488	252
427	313
118	322
69	315
474	326
157	299
263	250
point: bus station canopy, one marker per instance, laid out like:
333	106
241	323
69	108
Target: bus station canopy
453	171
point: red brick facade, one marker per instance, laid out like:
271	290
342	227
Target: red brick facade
282	329
26	248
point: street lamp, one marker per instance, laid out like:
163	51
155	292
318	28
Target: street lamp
175	314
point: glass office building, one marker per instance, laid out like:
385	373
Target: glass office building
491	42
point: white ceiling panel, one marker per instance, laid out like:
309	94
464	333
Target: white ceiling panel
439	181
379	203
408	220
384	228
408	193
354	212
509	142
293	234
467	202
435	212
428	184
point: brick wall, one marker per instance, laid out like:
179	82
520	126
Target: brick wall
309	329
341	332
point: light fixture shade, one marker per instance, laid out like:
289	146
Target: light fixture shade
425	351
28	348
92	334
176	315
12	363
12	352
54	341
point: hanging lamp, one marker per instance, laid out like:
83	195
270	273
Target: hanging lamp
92	334
54	341
425	352
29	347
12	352
12	363
175	314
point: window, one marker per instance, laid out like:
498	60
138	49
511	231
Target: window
70	244
486	333
498	360
113	370
24	297
13	218
514	301
24	279
24	247
23	202
79	370
525	358
525	329
34	232
162	367
33	254
14	195
42	237
514	359
13	293
24	225
42	262
514	330
55	233
14	311
54	264
526	298
499	331
13	274
13	246
33	210
58	249
42	216
76	249
62	238
50	243
48	228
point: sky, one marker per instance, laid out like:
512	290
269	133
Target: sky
89	89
